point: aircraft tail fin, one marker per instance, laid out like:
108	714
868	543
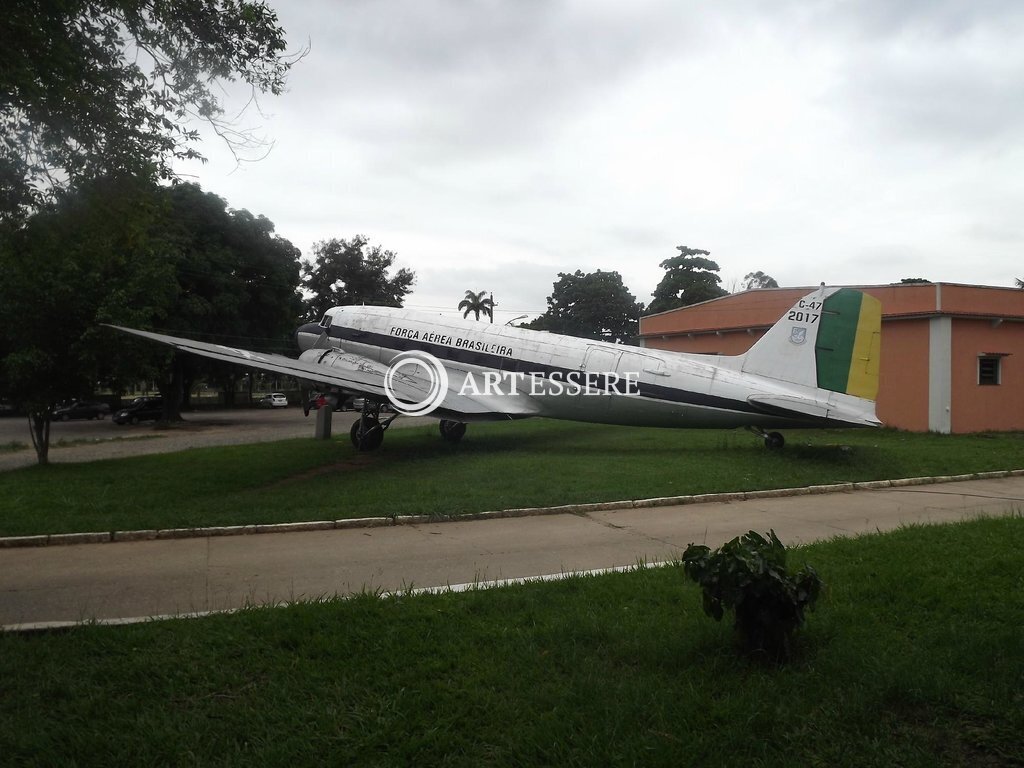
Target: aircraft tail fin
830	339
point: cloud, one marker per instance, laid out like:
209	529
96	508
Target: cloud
497	144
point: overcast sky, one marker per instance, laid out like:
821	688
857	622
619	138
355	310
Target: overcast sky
492	145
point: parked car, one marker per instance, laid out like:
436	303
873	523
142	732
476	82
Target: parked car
81	409
337	402
274	400
141	409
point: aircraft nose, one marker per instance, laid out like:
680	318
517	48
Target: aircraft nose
307	335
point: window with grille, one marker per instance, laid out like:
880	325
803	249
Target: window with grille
988	370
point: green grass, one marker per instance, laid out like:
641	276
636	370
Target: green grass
497	466
915	657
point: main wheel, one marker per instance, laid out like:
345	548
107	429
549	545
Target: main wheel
366	434
452	431
774	441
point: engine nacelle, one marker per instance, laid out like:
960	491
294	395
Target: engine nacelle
331	358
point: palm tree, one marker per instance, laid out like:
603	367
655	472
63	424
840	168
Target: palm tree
477	304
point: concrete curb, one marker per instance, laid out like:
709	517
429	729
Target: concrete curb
59	539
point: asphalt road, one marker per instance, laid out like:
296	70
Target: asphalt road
129	580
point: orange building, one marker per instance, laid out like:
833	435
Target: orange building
952	355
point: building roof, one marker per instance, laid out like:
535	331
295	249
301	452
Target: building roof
762	307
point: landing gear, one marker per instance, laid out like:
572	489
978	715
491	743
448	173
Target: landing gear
452	431
367	434
367	431
773	441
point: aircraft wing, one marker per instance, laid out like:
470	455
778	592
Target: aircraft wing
355	373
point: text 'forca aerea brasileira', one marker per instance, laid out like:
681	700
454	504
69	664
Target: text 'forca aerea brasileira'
455	342
533	383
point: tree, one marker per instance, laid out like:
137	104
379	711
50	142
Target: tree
591	306
914	280
349	272
126	252
73	266
754	280
92	88
689	278
478	304
235	281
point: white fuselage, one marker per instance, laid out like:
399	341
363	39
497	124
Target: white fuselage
542	372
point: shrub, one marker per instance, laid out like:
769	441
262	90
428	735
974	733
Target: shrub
748	575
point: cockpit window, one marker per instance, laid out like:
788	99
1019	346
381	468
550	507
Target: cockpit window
325	322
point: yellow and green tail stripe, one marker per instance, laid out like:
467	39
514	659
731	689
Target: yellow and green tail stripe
848	346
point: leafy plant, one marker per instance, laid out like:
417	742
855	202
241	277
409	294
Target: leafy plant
748	575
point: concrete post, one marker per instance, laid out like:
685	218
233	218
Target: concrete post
323	422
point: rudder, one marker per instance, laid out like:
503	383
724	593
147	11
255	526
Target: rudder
830	339
849	344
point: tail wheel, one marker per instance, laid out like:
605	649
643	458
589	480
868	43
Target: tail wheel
452	431
367	434
774	441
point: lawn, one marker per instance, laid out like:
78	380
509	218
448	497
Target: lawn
915	657
497	466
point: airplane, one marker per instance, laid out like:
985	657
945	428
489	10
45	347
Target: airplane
818	366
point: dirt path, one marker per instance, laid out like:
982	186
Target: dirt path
81	441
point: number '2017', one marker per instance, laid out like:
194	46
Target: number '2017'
803	317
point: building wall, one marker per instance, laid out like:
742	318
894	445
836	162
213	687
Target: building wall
715	315
727	343
985	407
903	395
978	299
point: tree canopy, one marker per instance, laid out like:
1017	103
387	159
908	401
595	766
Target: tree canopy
97	87
64	273
755	280
235	282
352	272
596	305
126	252
689	278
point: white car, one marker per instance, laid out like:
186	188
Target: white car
274	400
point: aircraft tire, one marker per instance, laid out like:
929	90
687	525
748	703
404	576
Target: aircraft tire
371	439
452	431
774	441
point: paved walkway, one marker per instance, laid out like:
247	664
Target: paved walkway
179	576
